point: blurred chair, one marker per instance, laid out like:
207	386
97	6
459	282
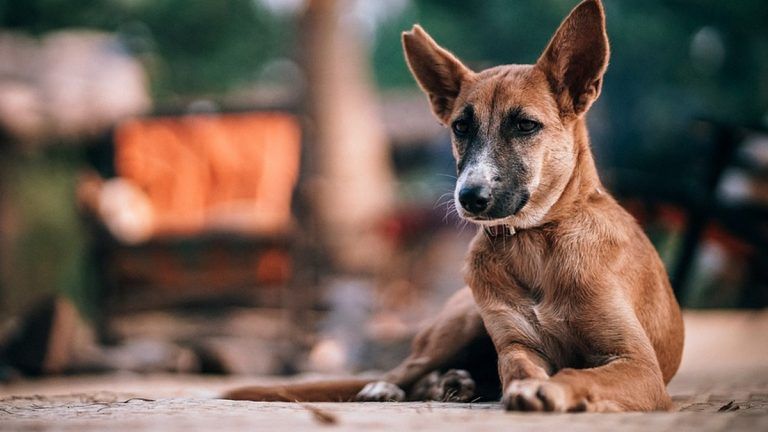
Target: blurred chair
200	209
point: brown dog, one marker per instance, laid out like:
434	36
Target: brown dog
572	294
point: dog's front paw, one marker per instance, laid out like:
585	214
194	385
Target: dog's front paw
380	391
538	395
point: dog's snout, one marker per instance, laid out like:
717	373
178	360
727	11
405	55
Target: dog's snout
475	199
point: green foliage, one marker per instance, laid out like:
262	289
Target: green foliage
499	32
191	47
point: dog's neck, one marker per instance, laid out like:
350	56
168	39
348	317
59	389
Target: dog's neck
584	181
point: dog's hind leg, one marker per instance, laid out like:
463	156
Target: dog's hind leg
436	347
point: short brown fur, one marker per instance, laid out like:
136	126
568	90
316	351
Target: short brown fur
576	300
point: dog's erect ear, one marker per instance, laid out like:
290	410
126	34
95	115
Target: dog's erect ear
576	58
438	72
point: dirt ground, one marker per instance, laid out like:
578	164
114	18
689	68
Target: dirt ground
722	385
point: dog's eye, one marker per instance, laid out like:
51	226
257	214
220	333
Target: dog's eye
526	126
460	127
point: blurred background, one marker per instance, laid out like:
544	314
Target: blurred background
258	186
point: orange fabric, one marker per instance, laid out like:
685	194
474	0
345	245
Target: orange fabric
233	172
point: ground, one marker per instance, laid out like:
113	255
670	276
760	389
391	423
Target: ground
722	385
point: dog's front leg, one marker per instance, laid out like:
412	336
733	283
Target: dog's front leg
624	384
624	374
515	339
518	362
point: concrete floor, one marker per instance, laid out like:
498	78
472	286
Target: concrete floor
722	385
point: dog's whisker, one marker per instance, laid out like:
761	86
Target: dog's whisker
448	195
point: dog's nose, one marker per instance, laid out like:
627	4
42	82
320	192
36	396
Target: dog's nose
475	199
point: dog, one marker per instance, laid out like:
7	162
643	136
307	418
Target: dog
568	306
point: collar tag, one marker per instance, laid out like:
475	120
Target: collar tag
500	230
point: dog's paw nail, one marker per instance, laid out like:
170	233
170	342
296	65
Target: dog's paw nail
380	391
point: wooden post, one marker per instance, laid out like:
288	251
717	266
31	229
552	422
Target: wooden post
353	186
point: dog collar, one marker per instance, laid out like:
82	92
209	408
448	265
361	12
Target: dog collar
500	230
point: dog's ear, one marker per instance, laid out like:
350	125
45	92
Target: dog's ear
576	58
438	72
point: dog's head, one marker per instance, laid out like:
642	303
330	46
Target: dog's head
513	127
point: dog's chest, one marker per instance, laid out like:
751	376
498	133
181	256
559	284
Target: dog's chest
525	263
517	282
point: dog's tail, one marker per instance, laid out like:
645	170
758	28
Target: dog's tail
319	391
